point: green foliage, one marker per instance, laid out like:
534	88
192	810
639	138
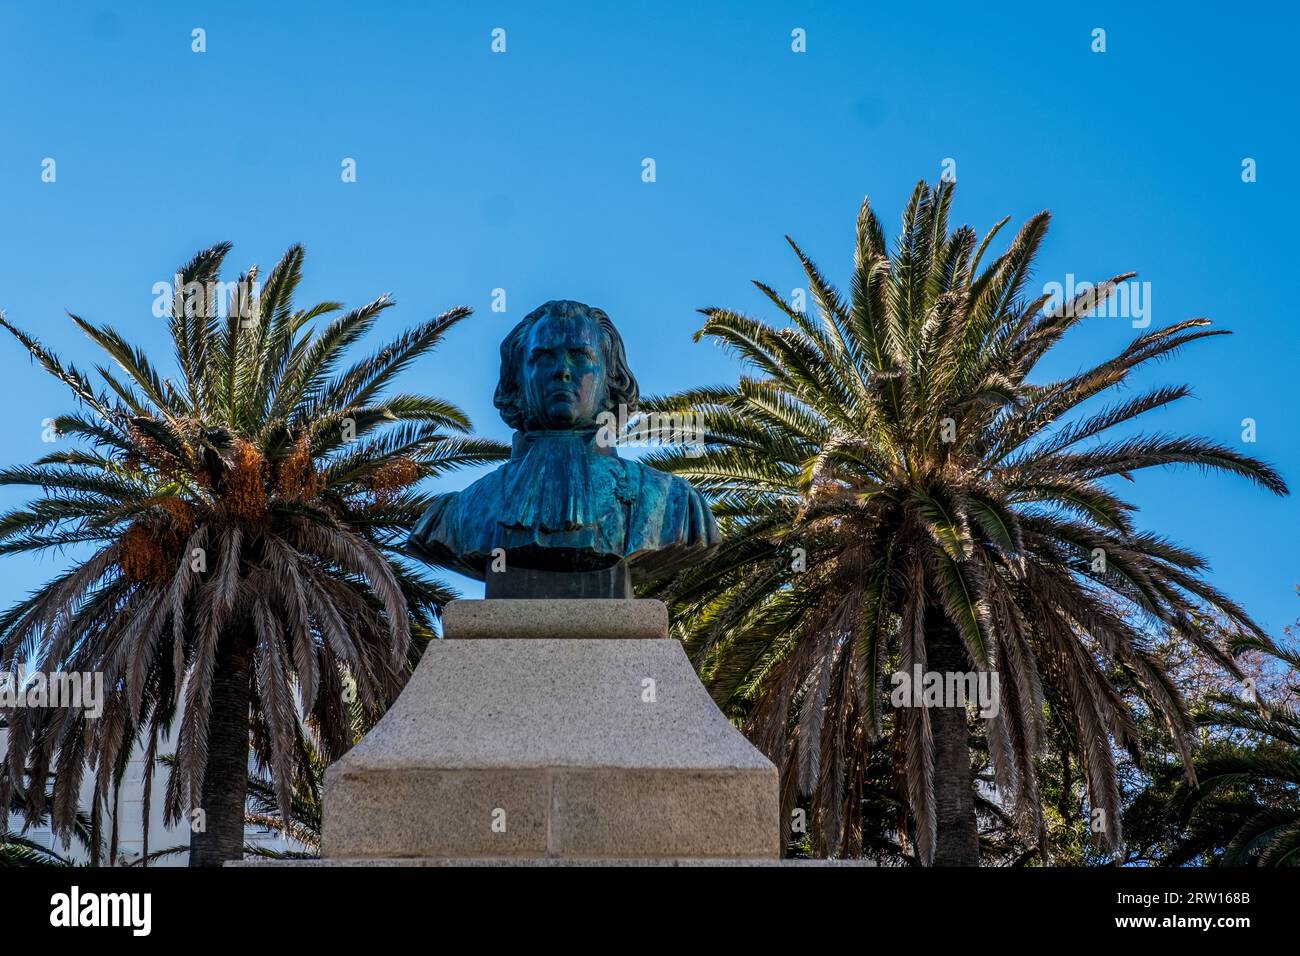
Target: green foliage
892	456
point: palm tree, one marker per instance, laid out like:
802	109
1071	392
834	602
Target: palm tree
894	491
303	825
240	532
19	849
1244	807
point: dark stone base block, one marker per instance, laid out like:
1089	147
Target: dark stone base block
611	582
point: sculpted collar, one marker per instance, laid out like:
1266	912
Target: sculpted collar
522	442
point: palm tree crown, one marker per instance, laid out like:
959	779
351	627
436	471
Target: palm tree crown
894	490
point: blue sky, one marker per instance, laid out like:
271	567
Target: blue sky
522	171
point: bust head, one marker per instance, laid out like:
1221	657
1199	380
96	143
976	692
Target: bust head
562	366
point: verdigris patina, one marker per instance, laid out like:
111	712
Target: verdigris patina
565	516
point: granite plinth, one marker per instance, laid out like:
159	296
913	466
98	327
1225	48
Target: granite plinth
528	619
559	748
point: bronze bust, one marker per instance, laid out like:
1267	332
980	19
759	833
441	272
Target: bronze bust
566	516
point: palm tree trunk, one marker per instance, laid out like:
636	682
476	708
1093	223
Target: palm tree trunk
96	827
225	779
957	839
117	811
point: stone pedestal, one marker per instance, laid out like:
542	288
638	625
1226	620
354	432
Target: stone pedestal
563	730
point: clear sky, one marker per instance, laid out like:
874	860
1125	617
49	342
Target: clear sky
523	171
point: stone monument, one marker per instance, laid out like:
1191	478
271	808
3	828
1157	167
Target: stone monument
556	721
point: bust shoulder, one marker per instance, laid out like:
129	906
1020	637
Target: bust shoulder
648	477
668	510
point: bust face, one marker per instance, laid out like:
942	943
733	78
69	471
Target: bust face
564	372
